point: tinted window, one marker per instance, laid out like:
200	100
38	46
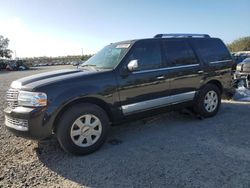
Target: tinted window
148	54
211	50
178	53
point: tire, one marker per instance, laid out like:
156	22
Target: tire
207	97
82	129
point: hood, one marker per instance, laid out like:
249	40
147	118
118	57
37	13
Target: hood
31	82
245	66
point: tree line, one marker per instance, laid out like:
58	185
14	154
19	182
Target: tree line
241	44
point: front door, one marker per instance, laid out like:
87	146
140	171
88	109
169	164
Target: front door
148	86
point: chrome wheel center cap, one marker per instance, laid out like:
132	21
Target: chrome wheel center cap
84	130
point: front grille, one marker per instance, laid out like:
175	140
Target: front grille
16	123
12	98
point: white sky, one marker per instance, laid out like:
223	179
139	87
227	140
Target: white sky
27	43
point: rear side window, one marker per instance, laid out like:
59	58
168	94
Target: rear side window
148	54
178	53
211	50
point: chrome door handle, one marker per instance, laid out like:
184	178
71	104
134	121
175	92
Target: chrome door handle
201	71
160	77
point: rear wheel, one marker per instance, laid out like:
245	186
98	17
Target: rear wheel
82	129
208	101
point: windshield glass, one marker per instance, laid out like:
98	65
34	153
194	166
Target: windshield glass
108	57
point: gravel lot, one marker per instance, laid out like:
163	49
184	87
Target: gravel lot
169	150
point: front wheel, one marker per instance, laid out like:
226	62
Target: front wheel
82	129
208	101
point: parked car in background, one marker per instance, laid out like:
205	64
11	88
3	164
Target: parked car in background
2	65
242	73
123	81
240	56
75	63
15	65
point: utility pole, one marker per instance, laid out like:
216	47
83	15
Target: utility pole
82	51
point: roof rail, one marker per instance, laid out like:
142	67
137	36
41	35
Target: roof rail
181	35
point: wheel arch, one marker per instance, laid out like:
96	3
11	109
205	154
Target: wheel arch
216	83
96	101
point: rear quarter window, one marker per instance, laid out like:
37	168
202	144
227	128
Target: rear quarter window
211	50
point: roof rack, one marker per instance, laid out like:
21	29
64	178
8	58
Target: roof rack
181	35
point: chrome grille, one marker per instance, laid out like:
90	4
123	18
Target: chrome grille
11	98
16	123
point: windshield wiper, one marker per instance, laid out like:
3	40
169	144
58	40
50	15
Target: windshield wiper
88	65
95	67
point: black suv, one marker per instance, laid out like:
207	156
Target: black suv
124	80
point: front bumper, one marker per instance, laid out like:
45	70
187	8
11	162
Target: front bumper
28	122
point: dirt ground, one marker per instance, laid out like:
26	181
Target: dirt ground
168	150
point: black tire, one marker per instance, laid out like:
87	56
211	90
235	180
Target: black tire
66	123
200	107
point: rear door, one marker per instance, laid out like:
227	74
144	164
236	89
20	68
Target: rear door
185	70
217	60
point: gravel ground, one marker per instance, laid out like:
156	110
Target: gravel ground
169	150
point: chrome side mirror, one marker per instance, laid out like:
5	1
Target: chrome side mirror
133	65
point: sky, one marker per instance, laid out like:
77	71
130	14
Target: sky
70	27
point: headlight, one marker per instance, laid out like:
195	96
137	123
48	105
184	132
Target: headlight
238	67
32	99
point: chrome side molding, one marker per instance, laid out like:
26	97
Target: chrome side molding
163	101
223	61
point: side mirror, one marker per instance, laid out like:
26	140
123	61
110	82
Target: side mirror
133	65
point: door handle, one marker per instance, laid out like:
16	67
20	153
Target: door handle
160	77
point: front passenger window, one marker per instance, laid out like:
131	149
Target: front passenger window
148	54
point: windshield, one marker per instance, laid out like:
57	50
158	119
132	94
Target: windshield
108	57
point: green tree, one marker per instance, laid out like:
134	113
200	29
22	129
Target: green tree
4	51
241	44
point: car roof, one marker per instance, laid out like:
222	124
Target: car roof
170	38
173	36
